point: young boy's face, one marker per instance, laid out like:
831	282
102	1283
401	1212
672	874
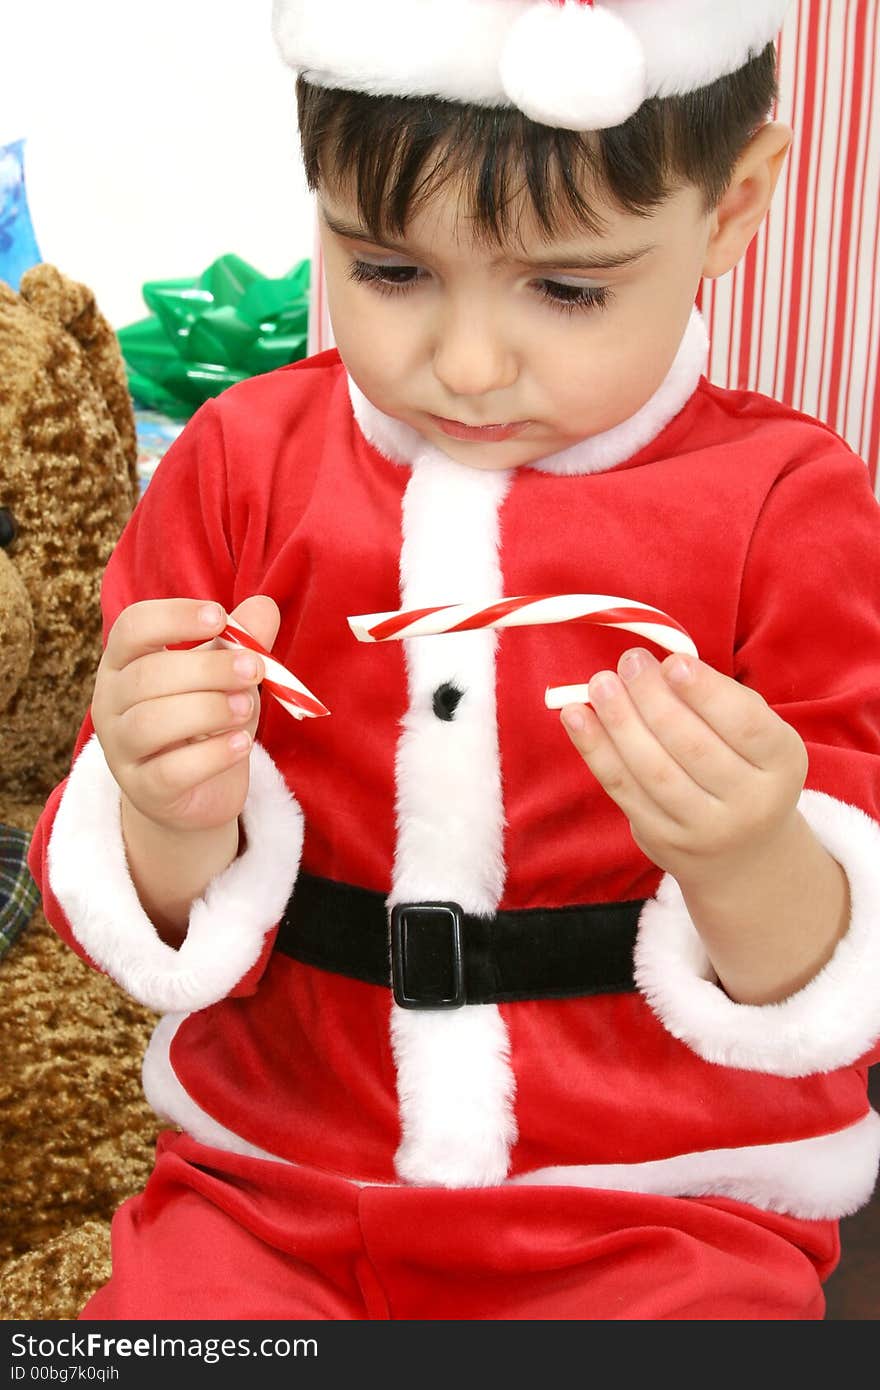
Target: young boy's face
550	342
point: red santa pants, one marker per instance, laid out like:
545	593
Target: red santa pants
218	1236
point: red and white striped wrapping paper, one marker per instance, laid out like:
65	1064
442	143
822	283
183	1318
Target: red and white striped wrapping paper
799	318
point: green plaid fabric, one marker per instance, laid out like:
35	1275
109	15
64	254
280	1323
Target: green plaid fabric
19	893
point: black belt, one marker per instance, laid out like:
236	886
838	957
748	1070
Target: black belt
438	957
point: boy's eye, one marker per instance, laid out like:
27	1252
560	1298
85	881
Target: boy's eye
570	297
397	279
385	277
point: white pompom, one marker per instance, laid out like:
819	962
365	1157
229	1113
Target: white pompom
573	66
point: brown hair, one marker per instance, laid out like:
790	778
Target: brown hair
398	151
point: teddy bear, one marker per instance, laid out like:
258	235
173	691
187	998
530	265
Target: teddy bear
68	483
75	1133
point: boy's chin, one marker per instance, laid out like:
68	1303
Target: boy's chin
488	458
499	456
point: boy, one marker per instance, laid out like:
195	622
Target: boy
623	1071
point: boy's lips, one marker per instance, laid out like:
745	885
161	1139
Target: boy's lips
456	430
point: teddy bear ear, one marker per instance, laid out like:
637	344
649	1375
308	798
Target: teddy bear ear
59	301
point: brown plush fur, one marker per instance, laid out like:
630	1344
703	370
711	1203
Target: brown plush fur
76	1133
16	629
76	1136
68	461
60	1276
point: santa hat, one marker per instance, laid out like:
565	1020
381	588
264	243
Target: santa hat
567	63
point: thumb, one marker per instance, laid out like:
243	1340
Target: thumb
261	617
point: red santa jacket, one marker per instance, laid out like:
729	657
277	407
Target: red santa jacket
756	529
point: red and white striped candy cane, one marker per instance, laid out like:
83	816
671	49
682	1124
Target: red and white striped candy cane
279	682
601	610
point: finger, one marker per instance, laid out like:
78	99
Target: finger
738	714
598	751
696	747
650	765
153	624
260	616
161	674
152	726
176	772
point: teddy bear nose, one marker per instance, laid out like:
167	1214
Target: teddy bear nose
8	528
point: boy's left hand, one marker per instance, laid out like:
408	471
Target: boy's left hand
706	773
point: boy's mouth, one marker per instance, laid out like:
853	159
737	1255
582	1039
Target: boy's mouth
486	433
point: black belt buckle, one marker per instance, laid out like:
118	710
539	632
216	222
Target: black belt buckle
427	969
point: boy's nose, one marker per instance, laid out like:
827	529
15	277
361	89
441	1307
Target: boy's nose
472	357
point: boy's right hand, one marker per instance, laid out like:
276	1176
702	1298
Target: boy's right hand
176	727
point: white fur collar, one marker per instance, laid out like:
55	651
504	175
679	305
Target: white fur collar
402	444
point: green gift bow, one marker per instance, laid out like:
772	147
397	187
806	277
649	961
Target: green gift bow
205	334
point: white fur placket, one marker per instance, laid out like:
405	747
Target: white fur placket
455	1084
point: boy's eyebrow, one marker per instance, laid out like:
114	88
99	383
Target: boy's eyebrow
595	261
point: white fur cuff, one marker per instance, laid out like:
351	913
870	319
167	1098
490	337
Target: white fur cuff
829	1023
89	875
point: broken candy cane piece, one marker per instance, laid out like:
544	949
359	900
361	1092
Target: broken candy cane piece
279	682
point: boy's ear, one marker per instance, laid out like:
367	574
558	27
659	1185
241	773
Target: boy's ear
744	206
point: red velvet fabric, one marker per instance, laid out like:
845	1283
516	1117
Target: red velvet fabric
753	527
303	1069
218	1236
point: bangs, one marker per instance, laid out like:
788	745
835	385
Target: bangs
396	153
396	160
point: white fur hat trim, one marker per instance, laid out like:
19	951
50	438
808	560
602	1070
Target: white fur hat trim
573	65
